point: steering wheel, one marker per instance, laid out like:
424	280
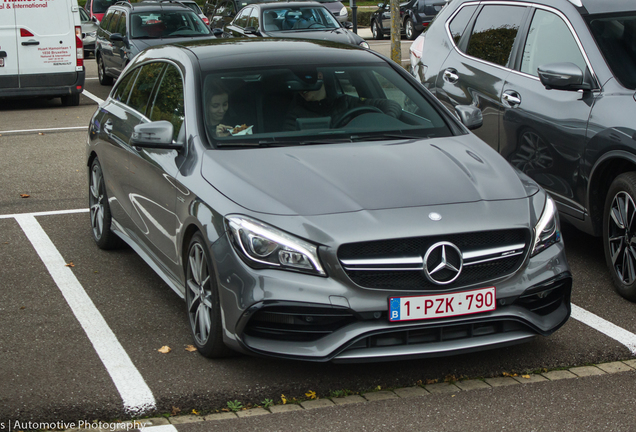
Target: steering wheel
348	115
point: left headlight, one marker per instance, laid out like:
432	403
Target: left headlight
547	231
364	44
343	11
263	246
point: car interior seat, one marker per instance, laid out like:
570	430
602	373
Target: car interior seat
270	22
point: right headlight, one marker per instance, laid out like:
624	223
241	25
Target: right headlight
547	230
263	246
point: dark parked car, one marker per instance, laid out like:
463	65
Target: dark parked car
308	20
415	16
129	28
310	200
555	80
222	12
89	32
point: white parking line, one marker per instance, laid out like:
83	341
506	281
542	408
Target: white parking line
92	96
607	328
45	213
43	129
161	428
134	391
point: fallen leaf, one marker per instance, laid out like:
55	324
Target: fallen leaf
24	195
453	396
195	412
190	348
283	398
41	133
175	411
22	307
525	376
311	394
431	381
225	409
70	264
164	349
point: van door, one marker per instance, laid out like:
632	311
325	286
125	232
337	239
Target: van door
46	42
8	47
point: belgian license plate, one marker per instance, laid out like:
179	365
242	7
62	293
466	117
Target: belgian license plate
442	305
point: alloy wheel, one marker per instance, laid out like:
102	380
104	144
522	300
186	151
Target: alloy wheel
409	30
199	294
622	237
96	201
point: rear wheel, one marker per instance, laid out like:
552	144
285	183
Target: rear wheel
619	234
202	301
101	73
377	31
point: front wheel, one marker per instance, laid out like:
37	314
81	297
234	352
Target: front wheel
202	301
409	29
101	218
101	73
619	234
377	31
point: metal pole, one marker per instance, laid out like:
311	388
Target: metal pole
354	15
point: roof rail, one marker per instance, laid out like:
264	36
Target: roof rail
123	3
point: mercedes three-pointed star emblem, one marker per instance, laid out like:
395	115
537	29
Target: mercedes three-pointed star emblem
443	263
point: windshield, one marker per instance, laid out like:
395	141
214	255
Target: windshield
167	24
616	37
298	18
312	105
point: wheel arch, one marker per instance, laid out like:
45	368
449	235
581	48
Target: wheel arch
607	168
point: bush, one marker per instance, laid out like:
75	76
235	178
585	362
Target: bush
364	16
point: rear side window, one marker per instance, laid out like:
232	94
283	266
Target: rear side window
168	104
460	21
140	95
106	21
121	27
549	41
113	22
122	91
494	33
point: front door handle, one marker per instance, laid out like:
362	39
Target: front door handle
450	75
31	42
512	98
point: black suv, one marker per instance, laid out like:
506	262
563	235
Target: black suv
415	16
129	28
556	82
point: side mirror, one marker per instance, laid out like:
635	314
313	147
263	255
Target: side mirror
156	135
116	37
562	76
217	32
470	116
95	20
348	25
381	5
250	30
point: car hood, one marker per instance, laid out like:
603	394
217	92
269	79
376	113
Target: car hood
338	178
334	35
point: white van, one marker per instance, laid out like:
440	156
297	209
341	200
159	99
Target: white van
41	52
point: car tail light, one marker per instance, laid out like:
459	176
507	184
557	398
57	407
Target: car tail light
416	47
206	21
25	33
79	45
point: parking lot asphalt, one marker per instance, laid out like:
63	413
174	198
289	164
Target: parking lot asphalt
54	369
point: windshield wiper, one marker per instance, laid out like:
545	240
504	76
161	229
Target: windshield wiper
385	136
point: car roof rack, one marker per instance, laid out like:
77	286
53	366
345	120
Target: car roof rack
123	3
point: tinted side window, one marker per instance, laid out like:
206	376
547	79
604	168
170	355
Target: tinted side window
146	81
121	27
114	22
253	21
242	17
460	21
549	41
168	104
494	33
106	21
122	91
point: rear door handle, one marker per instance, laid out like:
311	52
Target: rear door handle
32	42
512	98
450	75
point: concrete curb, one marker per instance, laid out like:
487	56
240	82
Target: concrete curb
408	392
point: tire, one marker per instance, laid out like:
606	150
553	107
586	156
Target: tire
619	234
104	79
71	100
100	216
377	31
409	29
202	301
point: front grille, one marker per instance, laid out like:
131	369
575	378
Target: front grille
297	323
430	335
398	263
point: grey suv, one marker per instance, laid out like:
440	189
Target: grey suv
129	28
555	80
